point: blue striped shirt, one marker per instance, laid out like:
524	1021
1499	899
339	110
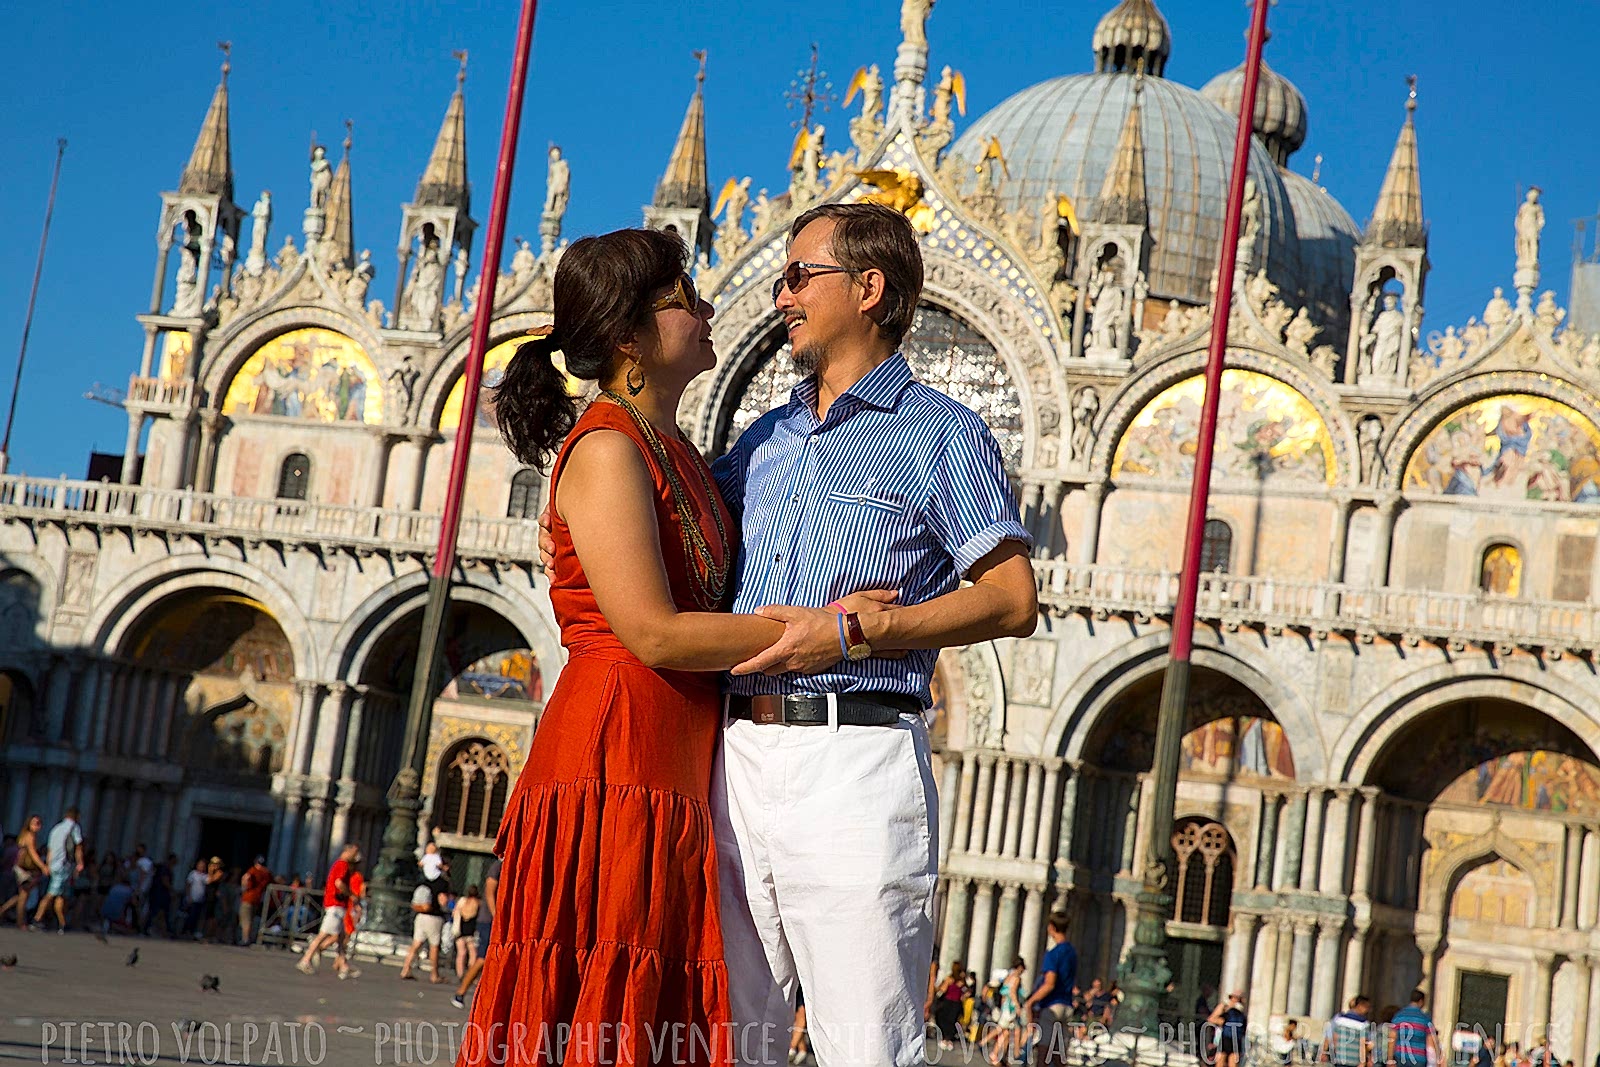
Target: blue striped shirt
900	487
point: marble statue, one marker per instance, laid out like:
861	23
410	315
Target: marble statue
355	287
1387	339
187	296
1498	311
557	185
522	261
1300	333
914	21
1172	321
1249	221
321	178
422	298
260	223
1370	432
462	265
867	127
1110	310
1084	409
1530	222
406	375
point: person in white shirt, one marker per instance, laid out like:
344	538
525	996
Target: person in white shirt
194	899
65	856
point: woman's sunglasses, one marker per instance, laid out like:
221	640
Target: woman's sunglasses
798	275
683	296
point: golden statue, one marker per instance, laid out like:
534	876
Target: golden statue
901	190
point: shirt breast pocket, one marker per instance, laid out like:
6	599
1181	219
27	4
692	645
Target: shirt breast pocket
875	523
881	504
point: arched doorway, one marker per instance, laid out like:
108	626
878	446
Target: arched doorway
1483	863
1233	751
212	692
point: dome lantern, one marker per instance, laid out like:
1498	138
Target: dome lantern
1279	121
1132	31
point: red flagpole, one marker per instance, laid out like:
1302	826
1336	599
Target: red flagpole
1145	973
33	296
396	864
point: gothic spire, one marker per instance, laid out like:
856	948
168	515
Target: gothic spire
444	181
685	183
210	166
339	230
1397	220
1122	194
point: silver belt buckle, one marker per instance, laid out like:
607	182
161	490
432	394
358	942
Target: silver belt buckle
767	710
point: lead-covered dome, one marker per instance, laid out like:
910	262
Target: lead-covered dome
1060	136
1280	111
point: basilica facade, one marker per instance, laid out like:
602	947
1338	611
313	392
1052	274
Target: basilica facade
1391	772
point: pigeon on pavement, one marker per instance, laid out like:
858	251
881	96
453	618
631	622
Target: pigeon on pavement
210	983
133	957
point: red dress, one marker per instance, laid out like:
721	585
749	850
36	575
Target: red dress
607	934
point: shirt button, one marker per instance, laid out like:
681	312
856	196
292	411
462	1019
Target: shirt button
778	557
795	499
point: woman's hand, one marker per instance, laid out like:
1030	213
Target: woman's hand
810	643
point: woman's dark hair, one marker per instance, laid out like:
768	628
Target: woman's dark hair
602	300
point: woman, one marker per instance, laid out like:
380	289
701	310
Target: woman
464	917
1006	1037
607	924
30	867
948	1002
1229	1020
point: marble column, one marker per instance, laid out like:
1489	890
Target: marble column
1325	975
1282	958
1588	879
1069	811
378	466
1263	963
1089	542
1588	1055
413	502
1569	894
954	942
1543	974
1133	790
1267	840
997	806
1429	947
1382	537
1338	544
1366	845
1027	839
1049	808
130	450
1355	963
1032	928
1300	968
1005	931
205	475
57	694
304	732
964	799
981	800
949	791
1311	848
91	703
981	937
1032	506
1335	847
176	458
1050	527
1239	953
109	705
1289	845
1579	1042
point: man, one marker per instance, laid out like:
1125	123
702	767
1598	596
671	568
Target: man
823	801
194	900
1414	1035
142	876
252	887
64	853
1050	1003
335	900
491	894
1347	1039
430	900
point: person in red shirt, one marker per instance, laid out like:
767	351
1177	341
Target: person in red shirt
358	905
252	887
336	896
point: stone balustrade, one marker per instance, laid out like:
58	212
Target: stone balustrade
1324	607
215	515
166	393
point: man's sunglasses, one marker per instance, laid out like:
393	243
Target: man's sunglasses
683	296
798	275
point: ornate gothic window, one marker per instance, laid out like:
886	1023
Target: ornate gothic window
1216	547
1204	890
945	353
294	477
524	501
473	783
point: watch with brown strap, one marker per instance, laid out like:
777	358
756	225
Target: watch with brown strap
856	646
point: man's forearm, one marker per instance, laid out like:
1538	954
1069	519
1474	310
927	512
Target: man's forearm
966	616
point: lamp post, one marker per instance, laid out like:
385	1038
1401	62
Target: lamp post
395	871
1145	973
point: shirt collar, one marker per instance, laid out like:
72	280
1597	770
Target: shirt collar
880	387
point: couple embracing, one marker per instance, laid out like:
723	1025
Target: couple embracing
730	794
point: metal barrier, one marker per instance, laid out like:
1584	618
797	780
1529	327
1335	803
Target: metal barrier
290	916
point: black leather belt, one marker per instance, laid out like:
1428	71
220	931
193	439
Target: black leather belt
795	709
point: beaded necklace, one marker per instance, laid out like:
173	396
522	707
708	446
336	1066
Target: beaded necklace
710	578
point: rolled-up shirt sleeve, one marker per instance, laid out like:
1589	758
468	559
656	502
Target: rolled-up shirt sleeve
970	506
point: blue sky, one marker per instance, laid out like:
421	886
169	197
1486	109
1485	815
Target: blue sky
1506	98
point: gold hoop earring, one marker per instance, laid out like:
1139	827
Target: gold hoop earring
634	390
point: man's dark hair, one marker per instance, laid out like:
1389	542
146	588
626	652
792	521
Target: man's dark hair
1360	999
871	236
1418	997
1059	921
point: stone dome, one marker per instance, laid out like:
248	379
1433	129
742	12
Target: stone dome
1134	30
1325	249
1060	136
1280	112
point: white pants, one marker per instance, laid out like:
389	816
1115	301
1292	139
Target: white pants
827	852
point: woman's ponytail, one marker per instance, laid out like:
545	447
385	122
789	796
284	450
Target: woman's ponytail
531	403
